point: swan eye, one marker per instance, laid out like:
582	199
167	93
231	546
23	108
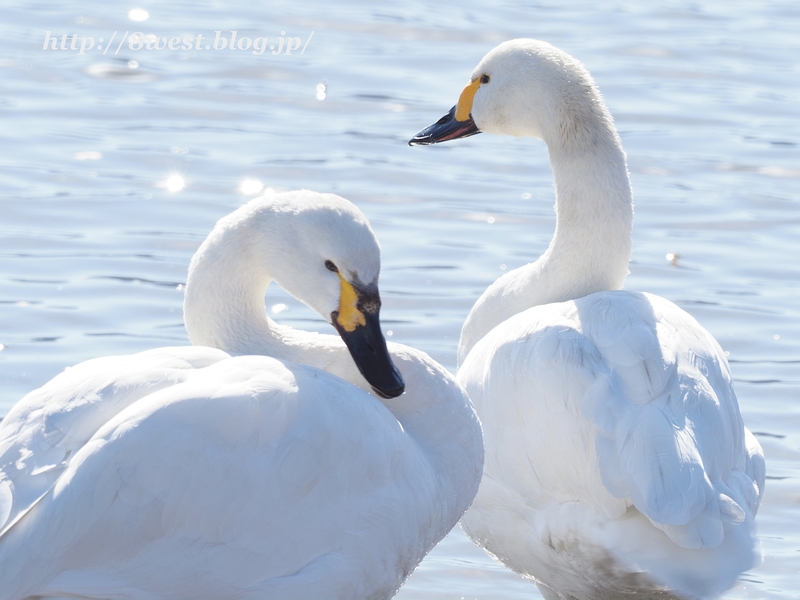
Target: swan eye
484	79
331	267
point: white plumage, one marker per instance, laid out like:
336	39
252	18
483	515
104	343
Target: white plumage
617	462
191	473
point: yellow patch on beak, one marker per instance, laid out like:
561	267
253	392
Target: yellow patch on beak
464	106
349	316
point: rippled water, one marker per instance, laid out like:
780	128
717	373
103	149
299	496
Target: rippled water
115	165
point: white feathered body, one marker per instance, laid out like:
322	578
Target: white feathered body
619	463
186	473
189	473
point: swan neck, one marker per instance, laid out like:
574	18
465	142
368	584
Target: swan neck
591	246
594	218
224	300
437	414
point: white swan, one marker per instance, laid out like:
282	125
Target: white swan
188	473
617	464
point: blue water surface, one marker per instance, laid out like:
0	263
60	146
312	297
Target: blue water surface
117	160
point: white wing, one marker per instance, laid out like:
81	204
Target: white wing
613	400
248	477
44	429
669	432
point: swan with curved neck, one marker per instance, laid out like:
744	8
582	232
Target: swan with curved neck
188	472
617	463
320	249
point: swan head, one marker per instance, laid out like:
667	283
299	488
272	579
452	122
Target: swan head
522	88
319	248
335	271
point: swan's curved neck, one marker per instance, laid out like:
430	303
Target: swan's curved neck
224	308
591	245
224	302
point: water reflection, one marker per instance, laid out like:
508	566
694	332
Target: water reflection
138	14
250	187
174	183
122	70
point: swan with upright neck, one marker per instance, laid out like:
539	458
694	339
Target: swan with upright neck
617	463
196	473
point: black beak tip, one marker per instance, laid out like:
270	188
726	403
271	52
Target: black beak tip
390	392
418	140
367	346
446	128
391	388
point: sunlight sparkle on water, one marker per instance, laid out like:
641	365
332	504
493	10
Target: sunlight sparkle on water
88	155
251	186
175	183
138	14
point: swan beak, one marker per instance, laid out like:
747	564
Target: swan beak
358	323
446	128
